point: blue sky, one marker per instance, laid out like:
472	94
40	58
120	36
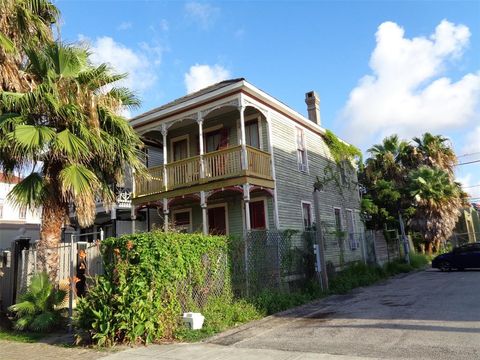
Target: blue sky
379	66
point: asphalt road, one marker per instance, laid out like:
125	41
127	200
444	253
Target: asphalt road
423	315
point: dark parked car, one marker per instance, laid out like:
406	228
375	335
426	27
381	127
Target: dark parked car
460	258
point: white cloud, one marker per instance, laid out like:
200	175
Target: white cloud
405	94
125	25
472	142
203	14
139	64
470	185
200	76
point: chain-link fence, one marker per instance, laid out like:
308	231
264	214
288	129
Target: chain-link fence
272	259
195	291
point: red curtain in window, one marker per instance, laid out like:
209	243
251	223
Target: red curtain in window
257	215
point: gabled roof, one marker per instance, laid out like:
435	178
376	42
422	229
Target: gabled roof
12	179
191	96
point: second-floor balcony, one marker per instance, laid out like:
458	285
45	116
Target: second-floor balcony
212	166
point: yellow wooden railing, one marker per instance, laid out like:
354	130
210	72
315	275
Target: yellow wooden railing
183	172
223	163
219	164
151	186
259	163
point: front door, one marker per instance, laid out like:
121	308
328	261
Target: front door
217	223
180	150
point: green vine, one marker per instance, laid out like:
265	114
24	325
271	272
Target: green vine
341	151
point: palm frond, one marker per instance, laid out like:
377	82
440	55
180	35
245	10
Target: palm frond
29	192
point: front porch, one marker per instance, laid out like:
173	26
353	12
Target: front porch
227	211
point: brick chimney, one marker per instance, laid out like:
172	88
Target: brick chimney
313	106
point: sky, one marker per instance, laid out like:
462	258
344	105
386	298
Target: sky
380	67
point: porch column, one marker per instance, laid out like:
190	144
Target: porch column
203	204
272	166
246	202
165	215
133	217
200	140
164	131
241	109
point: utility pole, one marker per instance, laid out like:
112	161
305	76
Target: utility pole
320	239
406	249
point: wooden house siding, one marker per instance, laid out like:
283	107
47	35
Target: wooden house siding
294	186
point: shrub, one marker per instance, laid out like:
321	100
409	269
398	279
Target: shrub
418	261
150	279
35	310
355	275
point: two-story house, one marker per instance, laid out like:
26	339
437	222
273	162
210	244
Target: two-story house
16	222
231	158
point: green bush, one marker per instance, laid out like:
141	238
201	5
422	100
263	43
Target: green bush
418	261
150	279
36	309
355	275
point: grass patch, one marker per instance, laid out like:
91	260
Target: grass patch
220	314
24	337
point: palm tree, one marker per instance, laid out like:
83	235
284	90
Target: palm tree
68	127
435	151
386	159
36	309
22	23
437	202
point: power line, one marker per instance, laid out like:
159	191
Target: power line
471	186
463	155
469	162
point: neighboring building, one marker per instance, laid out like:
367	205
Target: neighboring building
467	229
231	158
114	222
16	222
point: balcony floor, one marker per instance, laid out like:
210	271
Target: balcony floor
208	186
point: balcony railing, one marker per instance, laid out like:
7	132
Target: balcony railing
219	164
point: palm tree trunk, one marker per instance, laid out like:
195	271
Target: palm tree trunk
428	248
53	216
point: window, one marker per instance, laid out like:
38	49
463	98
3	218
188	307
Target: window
216	140
352	236
301	151
343	173
338	219
180	149
257	215
251	134
181	220
22	213
218	219
307	215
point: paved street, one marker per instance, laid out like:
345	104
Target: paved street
424	315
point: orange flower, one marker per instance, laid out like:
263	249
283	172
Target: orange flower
116	251
129	245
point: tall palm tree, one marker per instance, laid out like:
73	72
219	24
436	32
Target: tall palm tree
68	127
386	159
437	202
22	23
435	150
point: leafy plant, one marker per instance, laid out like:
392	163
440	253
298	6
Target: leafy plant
36	309
149	280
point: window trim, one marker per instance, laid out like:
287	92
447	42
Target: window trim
177	139
304	145
342	228
225	205
183	210
302	202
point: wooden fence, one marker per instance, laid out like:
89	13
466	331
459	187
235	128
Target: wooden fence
18	267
